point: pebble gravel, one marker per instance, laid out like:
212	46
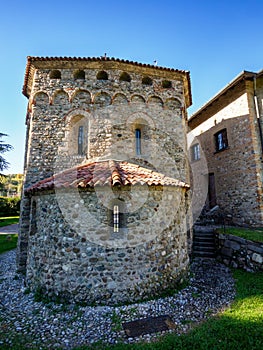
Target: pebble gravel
44	325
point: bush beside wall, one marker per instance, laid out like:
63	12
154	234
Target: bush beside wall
9	206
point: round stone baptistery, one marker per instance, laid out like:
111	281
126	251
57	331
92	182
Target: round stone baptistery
104	211
80	252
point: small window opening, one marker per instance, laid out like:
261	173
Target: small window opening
55	74
166	84
79	74
138	142
102	75
221	141
116	218
196	152
147	81
125	77
80	141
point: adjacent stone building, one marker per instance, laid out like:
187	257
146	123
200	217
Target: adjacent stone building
104	214
226	150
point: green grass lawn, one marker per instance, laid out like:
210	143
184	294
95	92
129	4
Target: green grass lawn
7	242
4	221
250	234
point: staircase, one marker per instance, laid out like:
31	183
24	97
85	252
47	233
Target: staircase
204	242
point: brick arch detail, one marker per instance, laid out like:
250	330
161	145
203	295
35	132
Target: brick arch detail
56	93
80	90
142	118
33	99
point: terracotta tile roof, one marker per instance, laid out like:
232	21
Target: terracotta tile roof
105	173
32	59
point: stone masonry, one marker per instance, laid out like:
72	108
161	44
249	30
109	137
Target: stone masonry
237	167
240	253
62	251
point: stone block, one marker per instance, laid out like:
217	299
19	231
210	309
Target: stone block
255	248
238	239
232	245
257	258
227	251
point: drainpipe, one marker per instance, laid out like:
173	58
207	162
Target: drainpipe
257	113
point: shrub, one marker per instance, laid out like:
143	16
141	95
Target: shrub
9	206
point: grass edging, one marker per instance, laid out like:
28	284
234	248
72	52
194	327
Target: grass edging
255	235
9	220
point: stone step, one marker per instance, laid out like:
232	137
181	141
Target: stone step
204	239
202	254
203	243
204	233
206	248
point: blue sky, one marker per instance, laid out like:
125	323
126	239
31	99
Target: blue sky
214	40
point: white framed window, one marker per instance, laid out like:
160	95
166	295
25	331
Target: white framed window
116	218
196	152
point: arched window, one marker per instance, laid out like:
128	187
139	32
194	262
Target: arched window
80	141
138	141
102	75
55	74
125	77
147	81
166	84
79	74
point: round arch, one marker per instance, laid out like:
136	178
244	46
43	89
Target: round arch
140	118
59	93
83	94
40	98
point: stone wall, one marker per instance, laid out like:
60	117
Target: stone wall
238	252
110	111
61	99
74	253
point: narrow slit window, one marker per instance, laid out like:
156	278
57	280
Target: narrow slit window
138	141
80	141
116	218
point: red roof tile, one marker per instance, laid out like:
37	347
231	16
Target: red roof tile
105	173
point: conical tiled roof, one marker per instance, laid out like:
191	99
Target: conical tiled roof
105	173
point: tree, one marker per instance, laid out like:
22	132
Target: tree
4	147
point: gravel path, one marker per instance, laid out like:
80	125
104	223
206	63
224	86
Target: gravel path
10	229
52	326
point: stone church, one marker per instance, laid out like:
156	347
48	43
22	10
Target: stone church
104	216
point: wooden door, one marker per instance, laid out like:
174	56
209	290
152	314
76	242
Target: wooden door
212	191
